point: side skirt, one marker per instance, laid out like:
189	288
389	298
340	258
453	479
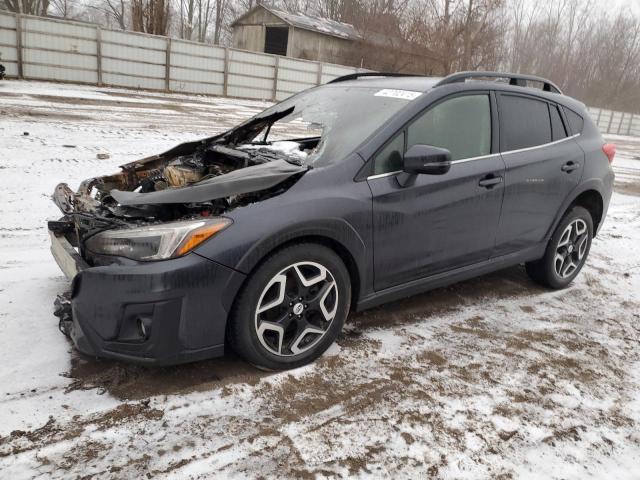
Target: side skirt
447	278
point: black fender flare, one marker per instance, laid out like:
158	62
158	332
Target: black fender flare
595	184
335	230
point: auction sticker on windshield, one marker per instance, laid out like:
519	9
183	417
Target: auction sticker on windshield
402	94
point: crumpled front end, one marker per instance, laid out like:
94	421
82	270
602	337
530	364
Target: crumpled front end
158	313
139	293
193	180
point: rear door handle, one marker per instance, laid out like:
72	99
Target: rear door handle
490	181
570	166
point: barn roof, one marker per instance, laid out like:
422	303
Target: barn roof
306	22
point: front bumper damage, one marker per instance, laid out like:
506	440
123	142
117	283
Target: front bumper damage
174	310
67	258
155	313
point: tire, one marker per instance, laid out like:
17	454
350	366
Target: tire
566	251
291	308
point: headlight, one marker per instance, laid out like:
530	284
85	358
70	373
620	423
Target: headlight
156	242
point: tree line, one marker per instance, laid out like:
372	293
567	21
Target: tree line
591	52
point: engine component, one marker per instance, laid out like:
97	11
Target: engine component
181	175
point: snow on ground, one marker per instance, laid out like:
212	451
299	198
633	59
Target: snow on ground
491	378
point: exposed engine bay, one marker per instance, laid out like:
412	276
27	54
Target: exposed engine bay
196	179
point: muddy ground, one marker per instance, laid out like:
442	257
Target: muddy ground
490	378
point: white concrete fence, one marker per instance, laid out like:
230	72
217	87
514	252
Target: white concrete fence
619	123
51	49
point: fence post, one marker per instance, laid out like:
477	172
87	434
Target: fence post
99	54
319	76
274	94
167	66
620	124
225	85
19	45
610	120
630	125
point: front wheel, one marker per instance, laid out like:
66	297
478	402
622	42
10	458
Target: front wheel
566	252
292	307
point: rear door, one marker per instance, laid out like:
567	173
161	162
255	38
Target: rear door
543	165
438	222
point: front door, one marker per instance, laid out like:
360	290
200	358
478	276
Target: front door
543	164
438	222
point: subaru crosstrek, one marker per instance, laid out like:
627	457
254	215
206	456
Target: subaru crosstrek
347	195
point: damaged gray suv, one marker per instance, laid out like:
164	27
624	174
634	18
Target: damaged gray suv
368	189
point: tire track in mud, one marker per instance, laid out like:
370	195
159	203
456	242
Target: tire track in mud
393	389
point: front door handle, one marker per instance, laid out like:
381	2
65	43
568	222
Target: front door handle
570	166
490	181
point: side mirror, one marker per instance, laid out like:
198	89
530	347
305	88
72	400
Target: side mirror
427	159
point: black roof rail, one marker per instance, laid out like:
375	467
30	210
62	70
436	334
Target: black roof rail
514	79
354	76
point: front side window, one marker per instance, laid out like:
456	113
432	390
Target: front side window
389	159
524	122
461	124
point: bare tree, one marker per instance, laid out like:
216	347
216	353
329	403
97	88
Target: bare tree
186	12
591	55
117	10
197	16
150	16
204	19
31	7
62	8
221	10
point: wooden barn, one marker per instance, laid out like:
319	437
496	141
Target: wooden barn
270	30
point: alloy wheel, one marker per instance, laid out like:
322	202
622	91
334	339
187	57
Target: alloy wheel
296	308
571	248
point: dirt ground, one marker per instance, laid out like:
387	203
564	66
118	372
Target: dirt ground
489	378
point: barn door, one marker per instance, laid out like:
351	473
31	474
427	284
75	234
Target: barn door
275	40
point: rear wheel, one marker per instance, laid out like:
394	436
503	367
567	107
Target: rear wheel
292	307
566	252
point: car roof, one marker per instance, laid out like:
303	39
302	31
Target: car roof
426	84
416	84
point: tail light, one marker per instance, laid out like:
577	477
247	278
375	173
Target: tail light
609	150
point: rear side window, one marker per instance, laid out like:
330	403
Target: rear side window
558	132
524	122
576	122
462	125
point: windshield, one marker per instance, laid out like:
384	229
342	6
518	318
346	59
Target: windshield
342	116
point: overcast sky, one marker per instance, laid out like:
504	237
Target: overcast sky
626	4
633	5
